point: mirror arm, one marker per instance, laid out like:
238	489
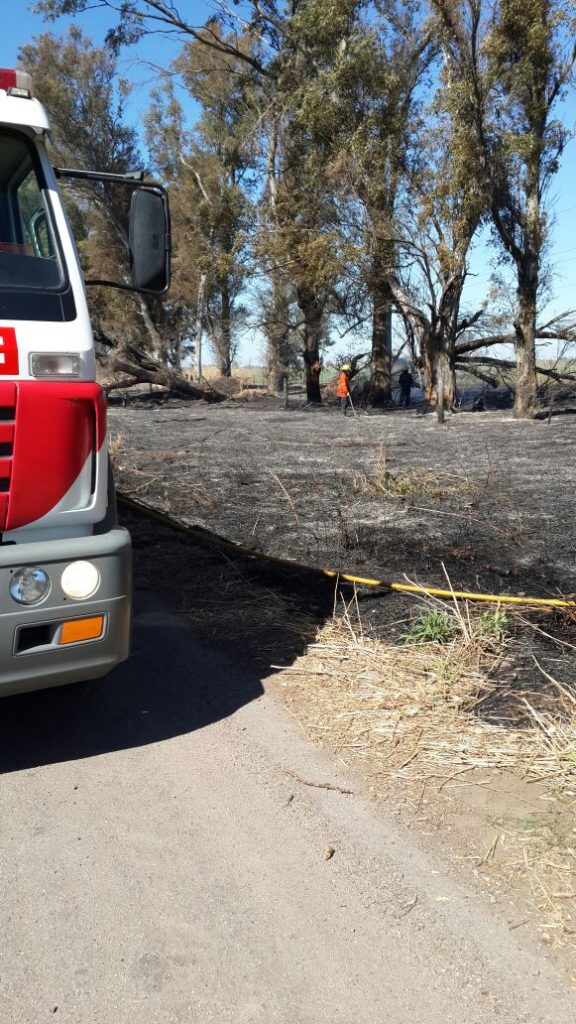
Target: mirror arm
124	287
134	178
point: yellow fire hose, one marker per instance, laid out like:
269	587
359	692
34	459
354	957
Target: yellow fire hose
213	540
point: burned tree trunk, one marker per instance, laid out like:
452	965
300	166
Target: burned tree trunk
312	309
439	357
278	334
526	400
381	356
225	341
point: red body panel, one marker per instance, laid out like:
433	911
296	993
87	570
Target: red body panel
52	429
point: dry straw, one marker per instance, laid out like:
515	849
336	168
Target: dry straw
427	710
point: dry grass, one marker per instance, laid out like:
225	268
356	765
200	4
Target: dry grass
414	482
447	712
421	710
117	449
245	375
537	855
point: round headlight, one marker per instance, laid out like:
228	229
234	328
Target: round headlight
80	580
29	585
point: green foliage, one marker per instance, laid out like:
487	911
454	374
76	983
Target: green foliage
506	66
209	173
351	149
495	625
432	627
415	483
490	629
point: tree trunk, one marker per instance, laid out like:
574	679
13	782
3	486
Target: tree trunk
381	357
313	393
156	348
526	400
200	298
445	384
143	369
439	372
277	334
225	347
312	309
439	360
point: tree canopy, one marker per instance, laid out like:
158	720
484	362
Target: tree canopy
344	159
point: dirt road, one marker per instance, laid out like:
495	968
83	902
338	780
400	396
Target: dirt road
160	862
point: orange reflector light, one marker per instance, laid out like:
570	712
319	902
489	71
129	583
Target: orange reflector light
76	630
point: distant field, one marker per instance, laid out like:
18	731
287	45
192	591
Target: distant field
247	374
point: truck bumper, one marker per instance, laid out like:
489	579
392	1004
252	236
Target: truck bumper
32	652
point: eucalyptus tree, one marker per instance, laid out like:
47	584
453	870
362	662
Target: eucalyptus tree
380	79
509	63
209	168
442	208
303	243
301	224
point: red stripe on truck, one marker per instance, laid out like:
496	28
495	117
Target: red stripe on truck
9	365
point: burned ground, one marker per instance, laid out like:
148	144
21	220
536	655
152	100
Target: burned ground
476	738
484	503
486	499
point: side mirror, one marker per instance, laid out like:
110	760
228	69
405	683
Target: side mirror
149	240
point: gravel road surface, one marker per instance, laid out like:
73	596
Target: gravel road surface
163	861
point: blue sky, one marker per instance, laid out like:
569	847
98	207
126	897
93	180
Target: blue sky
22	25
136	63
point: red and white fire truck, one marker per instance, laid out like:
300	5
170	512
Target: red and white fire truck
65	564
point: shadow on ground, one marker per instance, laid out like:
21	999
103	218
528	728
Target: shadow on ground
205	633
208	629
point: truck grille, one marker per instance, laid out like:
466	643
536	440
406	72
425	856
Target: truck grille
8	393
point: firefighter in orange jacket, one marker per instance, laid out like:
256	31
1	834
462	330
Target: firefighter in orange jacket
343	388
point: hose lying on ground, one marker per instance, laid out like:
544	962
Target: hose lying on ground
213	540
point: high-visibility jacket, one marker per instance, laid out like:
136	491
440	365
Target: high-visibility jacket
343	389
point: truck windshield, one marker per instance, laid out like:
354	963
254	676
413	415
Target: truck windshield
29	258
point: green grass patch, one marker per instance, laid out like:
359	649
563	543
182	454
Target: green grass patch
433	627
415	483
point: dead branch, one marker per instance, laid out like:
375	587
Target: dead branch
477	343
317	785
491	381
128	382
144	369
509	364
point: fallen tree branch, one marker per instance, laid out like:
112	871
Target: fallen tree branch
491	381
129	382
142	368
509	364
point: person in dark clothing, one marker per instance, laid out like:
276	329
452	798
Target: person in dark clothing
406	382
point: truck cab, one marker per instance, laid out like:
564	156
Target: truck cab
65	563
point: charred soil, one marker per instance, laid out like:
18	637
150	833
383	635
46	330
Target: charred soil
475	738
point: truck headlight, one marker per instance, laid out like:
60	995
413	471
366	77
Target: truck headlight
54	364
29	585
80	580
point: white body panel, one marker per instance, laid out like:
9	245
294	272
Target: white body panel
43	336
77	511
23	113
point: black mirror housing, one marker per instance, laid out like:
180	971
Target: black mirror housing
149	240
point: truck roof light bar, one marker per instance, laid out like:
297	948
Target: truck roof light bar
16	83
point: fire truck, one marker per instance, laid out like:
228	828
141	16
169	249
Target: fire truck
65	563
